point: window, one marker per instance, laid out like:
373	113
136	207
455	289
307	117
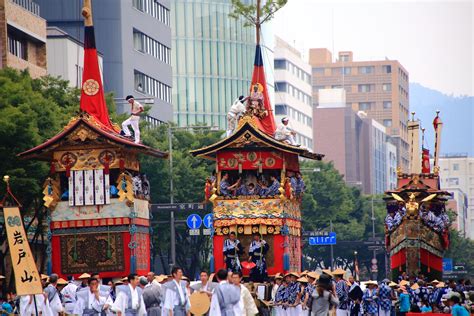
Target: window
456	167
145	44
151	86
344	57
387	69
363	106
281	109
453	181
280	64
387	104
366	69
318	70
336	71
281	87
387	87
17	47
365	87
153	8
387	123
336	86
346	70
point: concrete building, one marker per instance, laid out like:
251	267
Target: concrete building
379	88
458	204
212	61
66	56
135	39
293	91
457	172
357	144
22	37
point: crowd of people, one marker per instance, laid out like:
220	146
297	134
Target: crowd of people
433	217
308	294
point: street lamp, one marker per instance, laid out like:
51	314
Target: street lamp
170	155
355	266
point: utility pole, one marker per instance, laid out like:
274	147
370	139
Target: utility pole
332	248
172	223
374	256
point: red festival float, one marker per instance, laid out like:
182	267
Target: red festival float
97	198
417	224
251	156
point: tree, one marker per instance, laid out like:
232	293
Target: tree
256	14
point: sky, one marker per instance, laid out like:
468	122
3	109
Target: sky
433	40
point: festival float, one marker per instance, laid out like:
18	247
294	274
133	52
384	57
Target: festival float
98	201
417	225
252	154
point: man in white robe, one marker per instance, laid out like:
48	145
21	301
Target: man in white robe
69	296
247	306
129	301
27	305
89	301
226	297
53	295
176	301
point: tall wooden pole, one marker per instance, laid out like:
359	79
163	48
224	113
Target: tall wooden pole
257	23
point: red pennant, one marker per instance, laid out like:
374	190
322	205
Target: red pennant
425	167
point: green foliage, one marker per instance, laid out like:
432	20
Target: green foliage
249	11
461	250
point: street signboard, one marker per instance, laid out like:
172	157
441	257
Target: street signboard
206	231
323	240
376	248
207	220
316	233
194	232
194	221
178	207
447	264
374	242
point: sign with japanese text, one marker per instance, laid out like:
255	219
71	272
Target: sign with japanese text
27	278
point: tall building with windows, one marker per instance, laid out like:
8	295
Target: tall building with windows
293	91
456	171
22	37
379	88
135	39
212	61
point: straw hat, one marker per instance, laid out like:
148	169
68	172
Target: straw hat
117	281
415	287
313	275
160	278
185	278
435	282
371	282
404	282
328	272
302	280
440	285
61	281
305	272
84	276
339	271
278	276
44	277
292	273
392	284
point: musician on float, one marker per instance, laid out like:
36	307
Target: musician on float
257	251
232	250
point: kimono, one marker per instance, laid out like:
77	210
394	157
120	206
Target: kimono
232	251
385	298
258	250
342	292
281	297
293	291
370	303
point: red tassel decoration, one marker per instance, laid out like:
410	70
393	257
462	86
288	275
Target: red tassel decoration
52	169
68	170
122	165
106	168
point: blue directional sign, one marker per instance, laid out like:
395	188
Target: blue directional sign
207	220
323	240
194	221
447	264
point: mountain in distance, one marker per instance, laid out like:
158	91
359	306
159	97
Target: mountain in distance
457	115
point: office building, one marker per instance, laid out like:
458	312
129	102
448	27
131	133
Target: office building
135	40
66	56
357	145
379	88
293	91
457	172
457	203
23	37
212	61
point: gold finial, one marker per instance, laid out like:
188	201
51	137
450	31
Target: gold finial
87	12
413	116
6	179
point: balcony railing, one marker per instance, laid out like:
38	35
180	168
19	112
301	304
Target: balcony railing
28	5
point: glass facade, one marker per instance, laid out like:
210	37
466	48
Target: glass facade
212	59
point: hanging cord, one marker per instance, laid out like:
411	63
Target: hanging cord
9	193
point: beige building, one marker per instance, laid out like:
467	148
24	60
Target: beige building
457	172
458	204
23	37
379	88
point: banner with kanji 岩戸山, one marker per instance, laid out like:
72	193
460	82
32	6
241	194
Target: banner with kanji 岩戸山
27	278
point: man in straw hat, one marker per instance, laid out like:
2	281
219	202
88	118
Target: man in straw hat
370	298
342	291
309	289
323	296
281	296
53	294
355	295
84	278
403	300
89	301
385	295
293	290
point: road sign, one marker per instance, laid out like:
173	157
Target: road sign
447	264
194	232
206	231
315	233
178	207
374	261
374	243
194	221
207	220
323	240
376	248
